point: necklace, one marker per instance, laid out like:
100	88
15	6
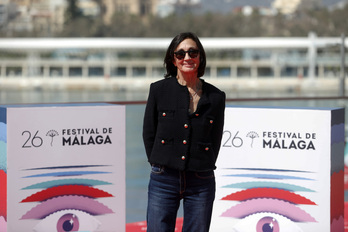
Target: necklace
195	91
198	88
192	96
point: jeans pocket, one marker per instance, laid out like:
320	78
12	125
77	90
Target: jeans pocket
205	175
157	169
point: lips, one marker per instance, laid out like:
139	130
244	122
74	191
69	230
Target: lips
189	65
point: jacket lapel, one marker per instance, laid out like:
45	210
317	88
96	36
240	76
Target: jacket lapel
204	98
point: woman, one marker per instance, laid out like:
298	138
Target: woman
183	126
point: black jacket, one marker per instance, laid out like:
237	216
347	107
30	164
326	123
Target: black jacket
177	139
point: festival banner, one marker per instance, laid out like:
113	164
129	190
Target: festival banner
280	169
62	168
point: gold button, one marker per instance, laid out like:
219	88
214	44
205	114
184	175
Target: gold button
183	157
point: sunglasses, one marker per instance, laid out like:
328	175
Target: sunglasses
193	53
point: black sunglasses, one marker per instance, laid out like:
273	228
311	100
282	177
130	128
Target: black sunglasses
193	53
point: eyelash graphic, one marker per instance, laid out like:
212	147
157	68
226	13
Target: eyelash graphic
67	204
280	207
3	130
84	204
66	167
274	200
270	176
53	183
3	155
268	184
60	174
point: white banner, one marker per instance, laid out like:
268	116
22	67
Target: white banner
280	170
66	168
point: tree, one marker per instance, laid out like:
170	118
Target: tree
72	11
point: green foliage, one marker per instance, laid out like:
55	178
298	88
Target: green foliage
72	12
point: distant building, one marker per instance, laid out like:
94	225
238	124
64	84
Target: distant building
136	7
187	6
48	16
339	5
89	7
44	16
288	7
160	8
249	10
3	12
165	8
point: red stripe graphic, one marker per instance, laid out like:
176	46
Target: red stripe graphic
268	193
3	194
80	190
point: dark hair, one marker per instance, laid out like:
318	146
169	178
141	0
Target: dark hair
168	59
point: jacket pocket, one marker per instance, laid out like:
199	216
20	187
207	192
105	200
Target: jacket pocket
165	114
163	141
210	120
208	124
205	175
206	154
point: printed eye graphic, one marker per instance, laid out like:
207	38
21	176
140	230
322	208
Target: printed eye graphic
268	206
67	204
58	212
68	220
266	222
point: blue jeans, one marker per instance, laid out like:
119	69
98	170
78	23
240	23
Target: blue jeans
167	187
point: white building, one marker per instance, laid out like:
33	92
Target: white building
288	7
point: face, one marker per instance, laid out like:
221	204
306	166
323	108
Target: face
190	62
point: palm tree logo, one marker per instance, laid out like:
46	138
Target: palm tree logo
252	135
52	134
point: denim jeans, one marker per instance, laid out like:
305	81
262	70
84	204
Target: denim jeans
166	189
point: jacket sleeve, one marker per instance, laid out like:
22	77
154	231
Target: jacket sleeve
150	122
219	124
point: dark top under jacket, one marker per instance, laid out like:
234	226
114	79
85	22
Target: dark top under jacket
177	139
